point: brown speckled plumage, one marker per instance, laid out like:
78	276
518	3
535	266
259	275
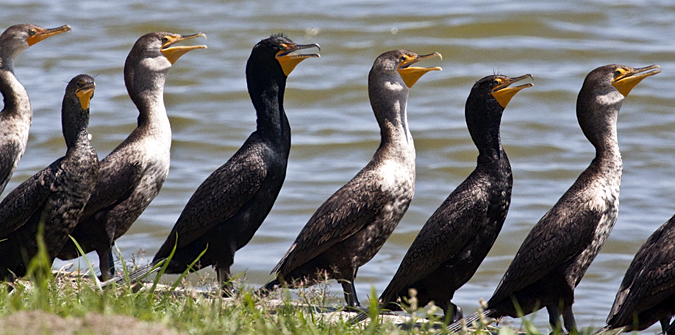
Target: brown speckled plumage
134	172
647	291
457	237
559	249
54	196
349	228
16	115
227	209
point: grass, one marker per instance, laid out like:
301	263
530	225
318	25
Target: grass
63	303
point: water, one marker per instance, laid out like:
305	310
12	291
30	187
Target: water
334	131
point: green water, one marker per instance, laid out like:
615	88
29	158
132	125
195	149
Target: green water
334	130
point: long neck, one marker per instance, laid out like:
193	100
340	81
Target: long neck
390	102
267	94
74	123
14	94
146	89
598	122
485	135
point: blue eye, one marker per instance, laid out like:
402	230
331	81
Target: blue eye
32	32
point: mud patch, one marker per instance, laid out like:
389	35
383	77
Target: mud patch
41	322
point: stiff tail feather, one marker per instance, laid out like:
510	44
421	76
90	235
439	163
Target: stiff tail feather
458	325
358	318
611	331
134	276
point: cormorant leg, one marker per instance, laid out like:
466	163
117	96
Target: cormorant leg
107	264
456	313
223	274
268	288
554	317
568	319
667	327
350	293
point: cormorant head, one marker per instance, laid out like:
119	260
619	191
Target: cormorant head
151	57
602	95
20	37
162	45
395	64
605	80
497	88
81	88
281	48
487	100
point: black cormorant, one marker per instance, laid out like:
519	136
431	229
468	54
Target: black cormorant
457	237
133	173
55	196
227	209
16	116
560	247
353	224
647	292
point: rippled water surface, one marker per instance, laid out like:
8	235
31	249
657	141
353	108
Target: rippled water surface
334	131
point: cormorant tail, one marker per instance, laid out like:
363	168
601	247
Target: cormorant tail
457	326
134	276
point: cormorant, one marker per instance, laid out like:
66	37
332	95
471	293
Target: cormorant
353	224
133	173
647	292
561	246
227	209
16	116
457	237
55	196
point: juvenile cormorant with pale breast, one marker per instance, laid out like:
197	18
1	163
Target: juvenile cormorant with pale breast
561	246
647	292
17	115
133	173
351	226
227	209
457	237
55	196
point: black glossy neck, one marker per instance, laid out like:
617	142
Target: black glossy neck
266	86
483	118
74	123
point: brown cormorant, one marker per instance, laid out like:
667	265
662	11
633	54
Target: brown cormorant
133	173
457	237
227	209
55	196
16	116
353	224
647	292
561	246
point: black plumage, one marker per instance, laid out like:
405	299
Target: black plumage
230	205
134	172
457	237
647	292
561	246
55	196
352	225
17	115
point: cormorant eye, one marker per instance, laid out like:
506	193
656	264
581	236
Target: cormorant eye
618	73
403	58
496	82
165	40
282	47
32	32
